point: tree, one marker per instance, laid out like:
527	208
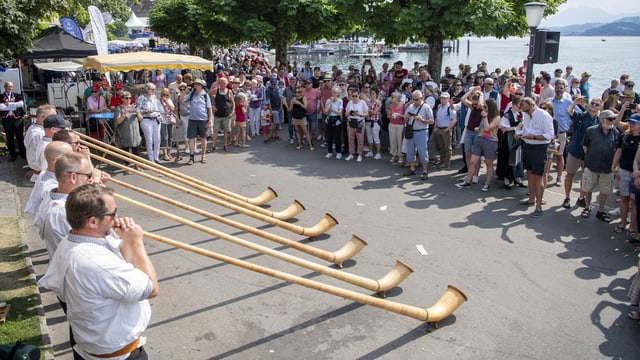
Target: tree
278	22
434	21
118	9
19	21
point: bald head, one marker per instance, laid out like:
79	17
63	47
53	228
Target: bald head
53	151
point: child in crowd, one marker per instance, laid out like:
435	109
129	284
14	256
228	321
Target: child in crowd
265	120
241	119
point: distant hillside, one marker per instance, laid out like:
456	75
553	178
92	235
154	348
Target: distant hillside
628	26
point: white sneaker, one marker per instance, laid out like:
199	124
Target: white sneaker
378	156
339	156
369	154
248	137
290	141
365	148
474	179
328	156
319	137
615	212
359	159
349	158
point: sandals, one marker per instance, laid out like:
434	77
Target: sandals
585	213
618	229
175	161
603	216
632	242
190	162
203	160
634	315
166	158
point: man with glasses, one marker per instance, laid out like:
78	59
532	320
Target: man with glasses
581	121
72	170
102	271
600	142
561	103
537	132
418	117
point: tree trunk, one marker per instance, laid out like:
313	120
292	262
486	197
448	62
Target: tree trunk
280	43
435	57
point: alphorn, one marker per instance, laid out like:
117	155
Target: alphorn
261	199
395	276
445	306
348	251
293	209
326	223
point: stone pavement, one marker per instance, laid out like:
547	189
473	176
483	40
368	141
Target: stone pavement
546	288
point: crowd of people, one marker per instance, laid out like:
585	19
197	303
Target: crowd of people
346	112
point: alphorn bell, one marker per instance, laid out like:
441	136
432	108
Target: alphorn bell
394	277
293	210
445	306
326	223
348	251
261	199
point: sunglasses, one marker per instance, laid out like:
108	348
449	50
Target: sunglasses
354	95
165	94
520	94
111	214
127	97
94	92
594	103
610	118
88	175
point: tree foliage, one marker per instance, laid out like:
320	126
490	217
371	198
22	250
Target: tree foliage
433	21
117	8
276	22
19	21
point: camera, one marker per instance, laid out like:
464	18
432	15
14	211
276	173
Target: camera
352	112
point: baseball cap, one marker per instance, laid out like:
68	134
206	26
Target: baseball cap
558	70
56	121
118	86
95	88
634	119
445	94
586	74
479	74
629	83
607	114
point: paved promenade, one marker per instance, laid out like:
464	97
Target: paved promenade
547	288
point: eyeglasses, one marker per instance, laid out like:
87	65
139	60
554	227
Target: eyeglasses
354	95
610	118
94	92
343	84
416	99
595	103
165	94
519	94
88	175
111	214
183	88
127	97
367	87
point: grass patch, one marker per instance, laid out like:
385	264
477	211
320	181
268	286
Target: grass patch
17	288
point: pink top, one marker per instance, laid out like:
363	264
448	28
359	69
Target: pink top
312	96
396	109
240	115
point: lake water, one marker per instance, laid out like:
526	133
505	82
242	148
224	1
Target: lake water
604	60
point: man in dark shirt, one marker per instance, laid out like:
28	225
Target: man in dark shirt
599	146
11	112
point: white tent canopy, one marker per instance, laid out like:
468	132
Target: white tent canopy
62	66
135	23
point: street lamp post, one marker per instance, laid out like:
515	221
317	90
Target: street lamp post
533	11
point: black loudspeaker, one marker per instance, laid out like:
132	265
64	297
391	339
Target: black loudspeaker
152	43
546	45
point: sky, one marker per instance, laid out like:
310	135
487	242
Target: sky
610	6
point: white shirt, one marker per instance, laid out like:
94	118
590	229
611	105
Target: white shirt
103	294
32	138
539	123
360	108
44	184
41	162
53	225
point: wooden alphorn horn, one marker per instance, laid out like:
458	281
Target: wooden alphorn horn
348	251
395	276
326	223
445	306
261	199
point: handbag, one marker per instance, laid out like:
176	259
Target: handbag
355	123
408	131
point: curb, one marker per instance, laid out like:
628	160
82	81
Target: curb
10	178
